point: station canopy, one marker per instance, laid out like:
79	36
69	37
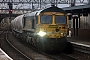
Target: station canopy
78	9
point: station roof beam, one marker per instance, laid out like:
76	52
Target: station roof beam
78	9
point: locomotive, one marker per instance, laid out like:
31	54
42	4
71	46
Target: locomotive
44	29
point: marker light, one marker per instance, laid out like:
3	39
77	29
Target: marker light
41	33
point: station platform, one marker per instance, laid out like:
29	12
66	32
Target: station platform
4	56
79	41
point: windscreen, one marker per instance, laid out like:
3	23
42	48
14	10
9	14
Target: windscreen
60	19
46	19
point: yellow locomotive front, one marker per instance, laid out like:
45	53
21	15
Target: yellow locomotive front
52	25
51	30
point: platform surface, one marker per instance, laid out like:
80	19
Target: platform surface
4	56
79	41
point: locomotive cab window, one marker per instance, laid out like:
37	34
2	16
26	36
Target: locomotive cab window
46	19
60	19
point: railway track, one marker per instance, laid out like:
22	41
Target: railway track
16	48
35	54
8	49
27	53
81	52
1	31
82	48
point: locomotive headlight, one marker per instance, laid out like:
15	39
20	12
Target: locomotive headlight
63	34
41	33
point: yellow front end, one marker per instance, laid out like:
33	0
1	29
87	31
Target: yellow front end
53	29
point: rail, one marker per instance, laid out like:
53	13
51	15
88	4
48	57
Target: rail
16	48
81	47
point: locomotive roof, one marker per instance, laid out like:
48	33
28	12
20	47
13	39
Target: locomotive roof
50	9
53	9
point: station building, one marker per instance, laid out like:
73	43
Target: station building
79	21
